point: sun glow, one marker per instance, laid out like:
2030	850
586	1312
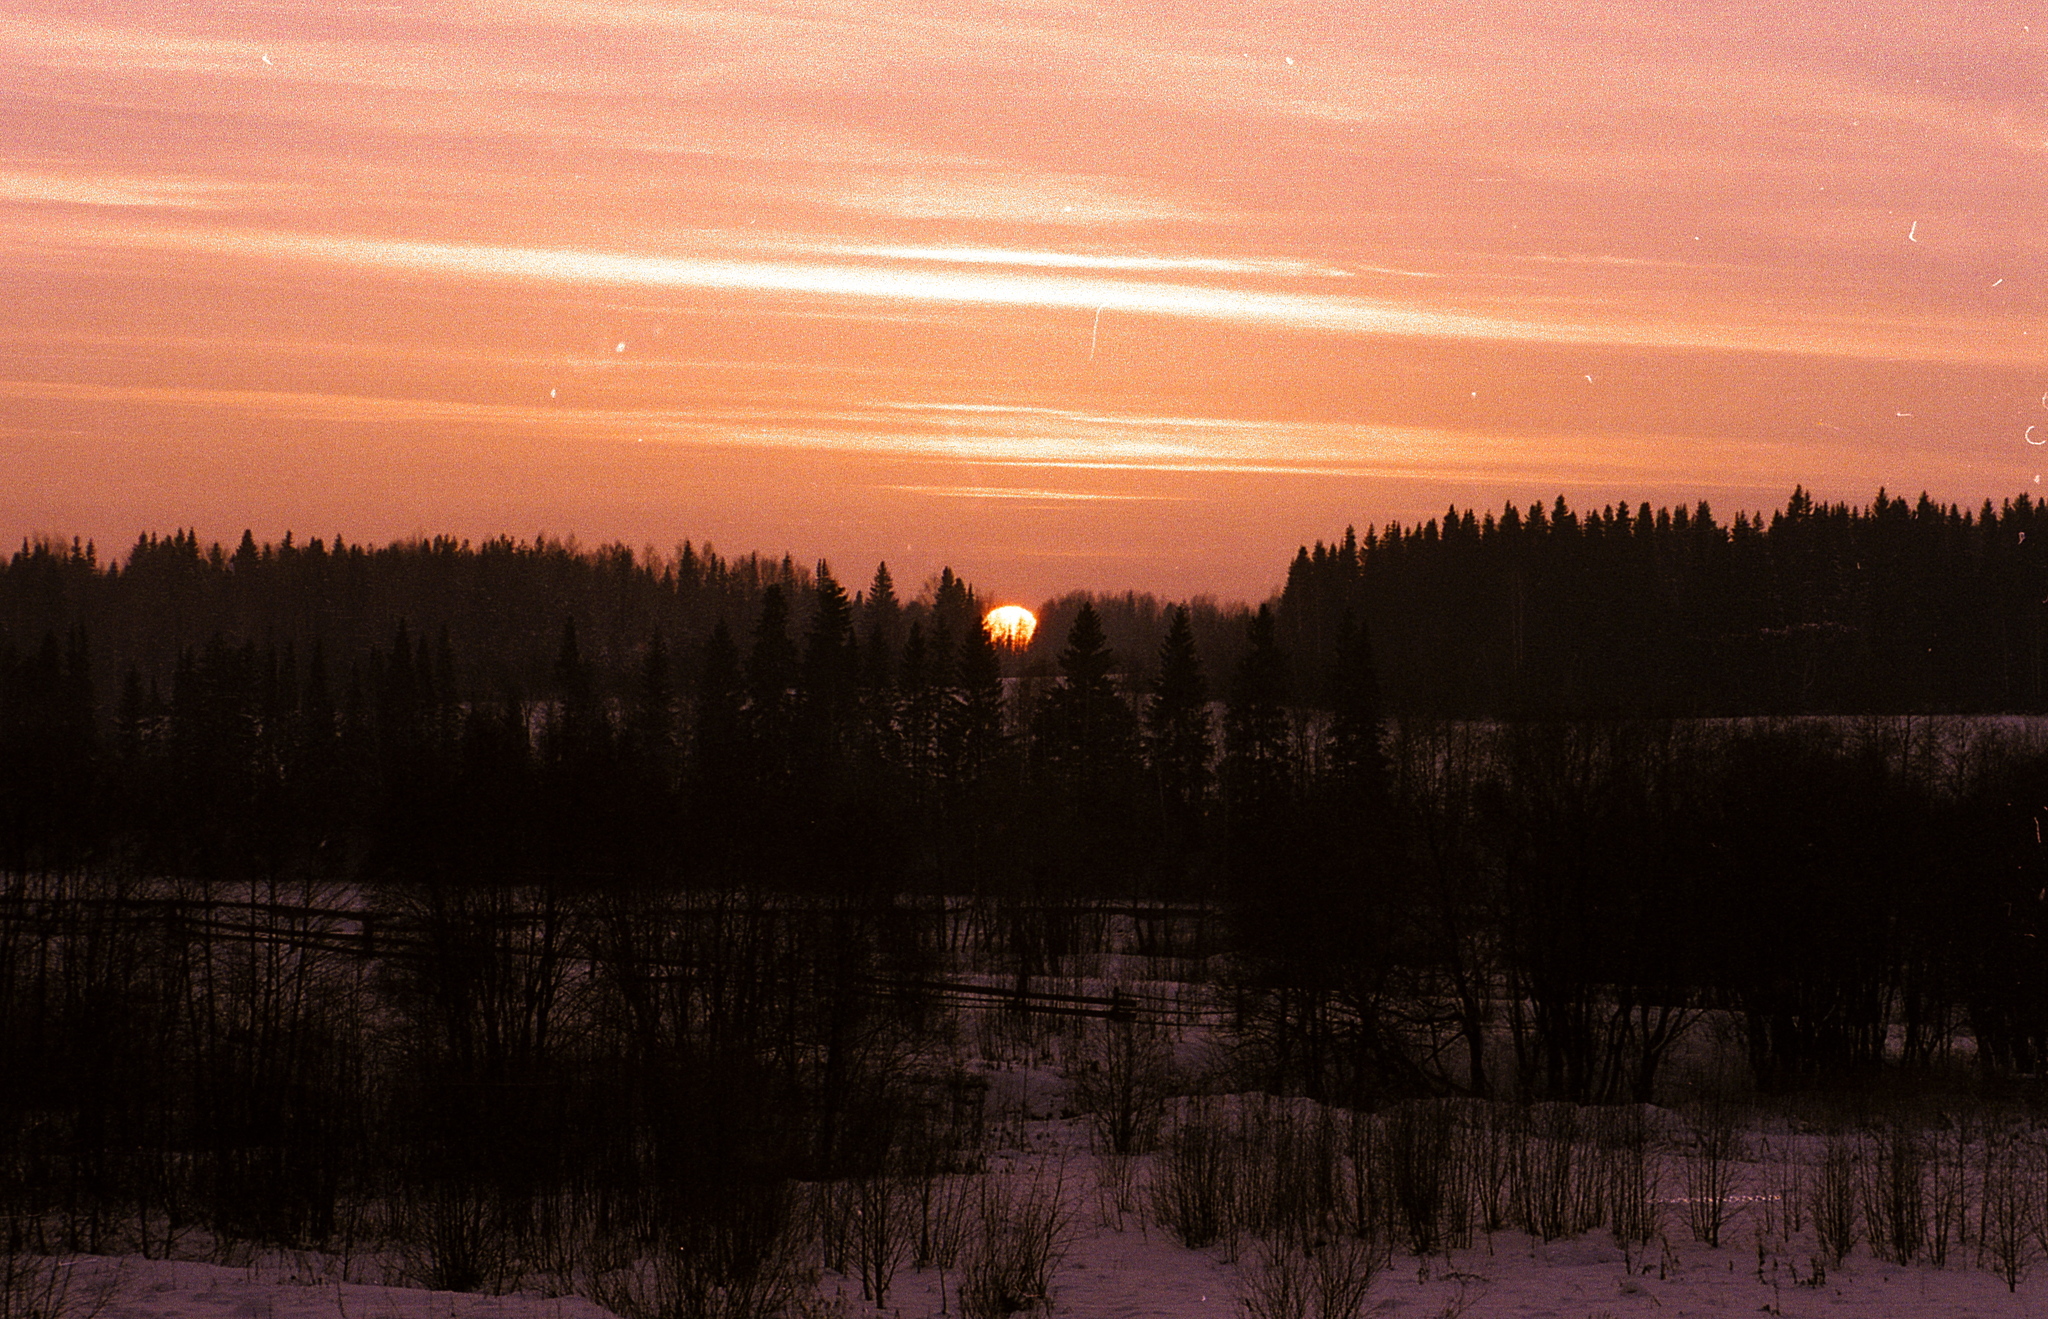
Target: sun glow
1011	625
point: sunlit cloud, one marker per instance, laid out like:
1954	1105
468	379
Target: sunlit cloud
1071	200
105	191
1024	493
1329	313
988	256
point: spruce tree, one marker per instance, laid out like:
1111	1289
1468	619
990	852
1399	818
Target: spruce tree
881	631
1178	739
1357	755
1086	730
978	715
718	733
831	663
1257	765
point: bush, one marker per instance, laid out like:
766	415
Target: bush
1718	1144
1328	1279
747	1261
1421	1172
1834	1199
1194	1189
1023	1231
1895	1194
2009	1220
38	1287
1121	1079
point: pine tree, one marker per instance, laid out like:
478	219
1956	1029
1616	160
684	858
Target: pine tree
579	732
652	721
1086	730
1357	756
831	663
918	706
718	733
1178	738
1257	766
881	631
954	607
978	716
771	678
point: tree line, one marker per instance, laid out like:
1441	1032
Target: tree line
1420	902
1896	606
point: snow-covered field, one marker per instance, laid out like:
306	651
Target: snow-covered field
1126	1266
1119	1258
1137	1274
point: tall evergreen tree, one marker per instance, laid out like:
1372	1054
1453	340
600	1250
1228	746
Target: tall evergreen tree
651	722
718	702
1086	730
831	662
1357	754
1178	737
881	631
978	715
1258	765
954	607
771	661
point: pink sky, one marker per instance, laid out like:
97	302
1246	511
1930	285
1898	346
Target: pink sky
1125	296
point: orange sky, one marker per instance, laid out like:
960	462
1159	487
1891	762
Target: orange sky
1135	295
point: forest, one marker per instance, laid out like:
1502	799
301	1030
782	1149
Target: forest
517	902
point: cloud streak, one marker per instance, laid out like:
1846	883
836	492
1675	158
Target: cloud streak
931	282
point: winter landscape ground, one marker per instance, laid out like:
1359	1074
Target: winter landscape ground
1709	1205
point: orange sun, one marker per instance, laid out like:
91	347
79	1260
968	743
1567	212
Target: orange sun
1011	625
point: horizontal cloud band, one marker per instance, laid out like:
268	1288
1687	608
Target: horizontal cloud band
1328	313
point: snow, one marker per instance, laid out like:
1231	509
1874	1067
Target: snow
1125	1267
1140	1274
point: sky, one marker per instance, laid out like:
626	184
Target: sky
1064	296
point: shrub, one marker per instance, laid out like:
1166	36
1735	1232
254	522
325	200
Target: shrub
1194	1188
1329	1279
1023	1231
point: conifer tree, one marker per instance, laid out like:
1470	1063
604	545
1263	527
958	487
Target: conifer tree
1357	756
881	631
1257	765
918	706
718	733
771	679
579	731
980	740
1178	738
771	662
831	663
651	726
1086	730
954	607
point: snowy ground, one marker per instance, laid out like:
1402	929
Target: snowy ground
1136	1274
1126	1267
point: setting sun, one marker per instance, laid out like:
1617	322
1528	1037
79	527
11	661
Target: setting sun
1011	625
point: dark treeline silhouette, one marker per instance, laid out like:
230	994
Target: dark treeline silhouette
477	890
1817	608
